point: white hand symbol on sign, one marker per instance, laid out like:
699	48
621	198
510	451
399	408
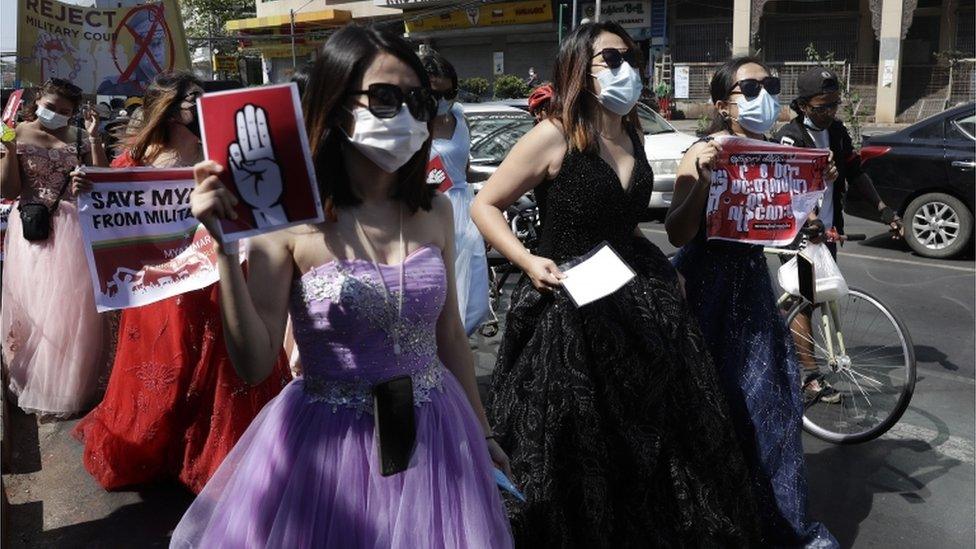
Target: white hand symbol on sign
436	177
255	169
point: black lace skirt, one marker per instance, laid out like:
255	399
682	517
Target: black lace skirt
614	422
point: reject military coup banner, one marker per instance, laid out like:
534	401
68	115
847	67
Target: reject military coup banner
762	193
104	51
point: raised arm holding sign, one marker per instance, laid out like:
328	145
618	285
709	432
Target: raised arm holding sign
258	134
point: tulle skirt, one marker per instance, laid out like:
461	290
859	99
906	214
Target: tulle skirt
55	344
305	476
470	261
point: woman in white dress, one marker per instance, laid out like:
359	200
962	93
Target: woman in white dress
447	170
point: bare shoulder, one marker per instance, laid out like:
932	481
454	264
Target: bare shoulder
549	133
273	244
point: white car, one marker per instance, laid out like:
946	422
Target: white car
497	126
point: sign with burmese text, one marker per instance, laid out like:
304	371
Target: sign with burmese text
761	193
142	242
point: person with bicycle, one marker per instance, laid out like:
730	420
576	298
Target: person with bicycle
816	126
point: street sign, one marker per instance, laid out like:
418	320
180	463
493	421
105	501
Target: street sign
225	63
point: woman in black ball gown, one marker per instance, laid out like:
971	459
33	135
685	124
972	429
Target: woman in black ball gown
611	412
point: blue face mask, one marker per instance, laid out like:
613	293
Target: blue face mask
759	113
620	88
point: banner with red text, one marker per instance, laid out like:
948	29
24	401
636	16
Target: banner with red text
762	193
142	242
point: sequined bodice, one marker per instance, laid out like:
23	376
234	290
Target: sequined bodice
45	170
586	204
347	329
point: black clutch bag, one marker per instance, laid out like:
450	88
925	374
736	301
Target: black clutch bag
36	220
396	429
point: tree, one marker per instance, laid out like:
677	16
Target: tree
204	19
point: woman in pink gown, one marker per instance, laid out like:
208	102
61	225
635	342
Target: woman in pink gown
55	344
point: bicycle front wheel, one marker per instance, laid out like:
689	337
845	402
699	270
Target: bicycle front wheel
869	359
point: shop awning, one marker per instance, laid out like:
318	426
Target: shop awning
311	20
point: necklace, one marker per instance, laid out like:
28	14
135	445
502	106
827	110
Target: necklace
395	329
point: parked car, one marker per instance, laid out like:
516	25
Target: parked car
926	172
497	126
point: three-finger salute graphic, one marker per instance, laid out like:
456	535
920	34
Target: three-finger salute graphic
258	136
255	169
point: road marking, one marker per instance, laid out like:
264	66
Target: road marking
876	258
953	447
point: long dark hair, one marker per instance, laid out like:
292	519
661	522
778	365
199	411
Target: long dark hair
437	66
341	63
721	88
150	134
574	103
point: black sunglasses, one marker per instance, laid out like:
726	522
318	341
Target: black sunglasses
614	57
751	87
386	100
820	109
449	94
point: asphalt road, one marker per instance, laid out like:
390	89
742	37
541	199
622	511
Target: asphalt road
914	487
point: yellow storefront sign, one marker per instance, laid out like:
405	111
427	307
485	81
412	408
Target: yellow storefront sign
225	63
506	13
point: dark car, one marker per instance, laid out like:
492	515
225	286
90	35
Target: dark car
926	173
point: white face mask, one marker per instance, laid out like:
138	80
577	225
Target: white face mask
444	106
50	119
759	113
620	88
388	142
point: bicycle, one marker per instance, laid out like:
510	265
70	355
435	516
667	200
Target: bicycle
523	218
862	349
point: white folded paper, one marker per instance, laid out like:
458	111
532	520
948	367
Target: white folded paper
598	275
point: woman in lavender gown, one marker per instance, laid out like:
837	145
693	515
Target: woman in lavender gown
371	296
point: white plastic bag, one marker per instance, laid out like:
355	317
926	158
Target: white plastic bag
830	282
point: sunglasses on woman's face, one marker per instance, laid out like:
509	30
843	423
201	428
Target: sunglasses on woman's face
750	87
446	94
386	100
614	57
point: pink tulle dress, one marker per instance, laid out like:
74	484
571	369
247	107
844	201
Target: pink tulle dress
56	346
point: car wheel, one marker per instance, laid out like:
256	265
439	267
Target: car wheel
938	225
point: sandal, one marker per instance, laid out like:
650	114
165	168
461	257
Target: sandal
816	389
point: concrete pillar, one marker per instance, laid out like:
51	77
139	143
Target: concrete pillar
865	34
889	61
741	27
947	24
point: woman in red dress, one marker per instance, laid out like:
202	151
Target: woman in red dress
174	406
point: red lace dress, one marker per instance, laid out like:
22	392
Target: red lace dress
174	405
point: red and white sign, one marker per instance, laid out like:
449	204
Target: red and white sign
437	175
762	193
258	136
142	242
13	105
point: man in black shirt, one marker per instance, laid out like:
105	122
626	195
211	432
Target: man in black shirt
816	126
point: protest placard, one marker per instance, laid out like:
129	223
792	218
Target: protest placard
11	108
143	243
258	135
437	174
761	193
101	49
